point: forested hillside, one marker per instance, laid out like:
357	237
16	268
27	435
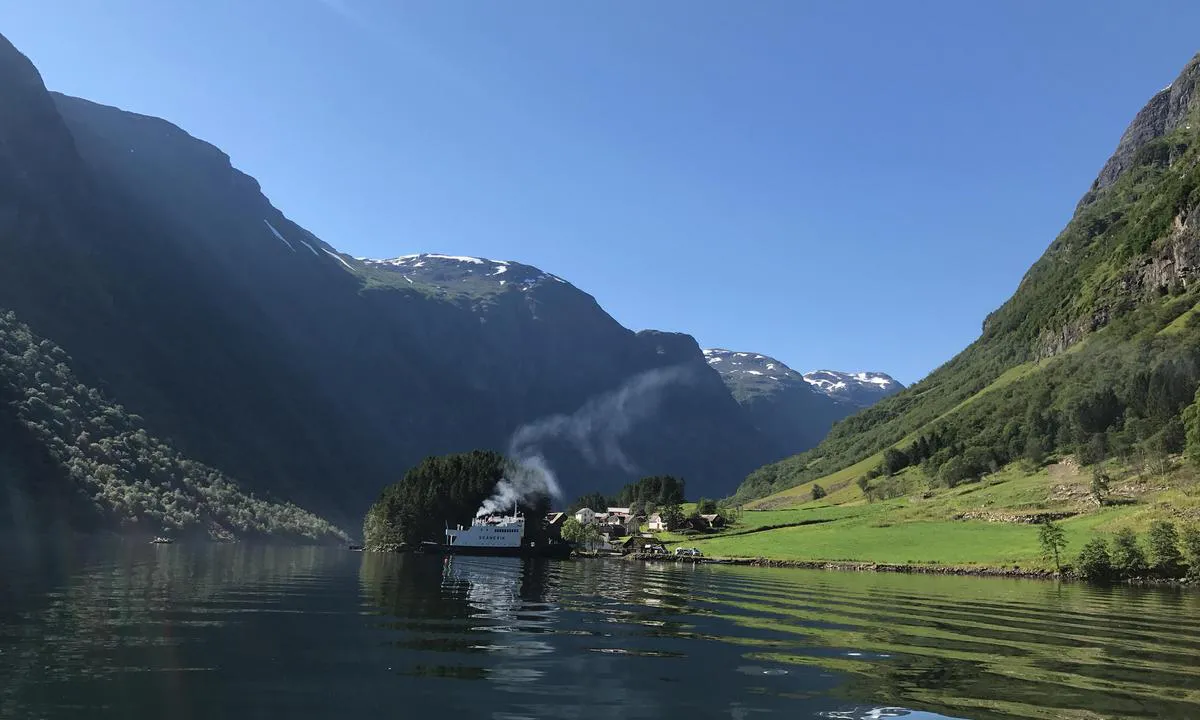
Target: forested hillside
1097	353
73	458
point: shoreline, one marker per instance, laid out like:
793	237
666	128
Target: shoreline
903	568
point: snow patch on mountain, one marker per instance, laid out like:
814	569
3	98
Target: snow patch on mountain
277	234
861	388
746	371
463	273
733	365
340	259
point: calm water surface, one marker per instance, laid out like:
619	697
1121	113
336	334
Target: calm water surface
138	631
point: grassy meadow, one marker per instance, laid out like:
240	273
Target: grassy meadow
972	525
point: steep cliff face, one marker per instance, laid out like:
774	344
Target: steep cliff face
1133	238
37	159
1118	287
1169	110
69	456
252	346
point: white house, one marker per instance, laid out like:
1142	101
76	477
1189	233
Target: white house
585	516
656	523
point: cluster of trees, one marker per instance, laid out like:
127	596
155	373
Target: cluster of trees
580	534
656	490
1167	553
1170	555
440	490
663	494
1123	393
643	496
120	473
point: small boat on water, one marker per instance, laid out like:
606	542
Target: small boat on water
502	535
161	541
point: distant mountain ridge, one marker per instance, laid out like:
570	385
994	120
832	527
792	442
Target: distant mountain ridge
171	287
795	410
859	388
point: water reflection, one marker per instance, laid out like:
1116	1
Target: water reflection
243	631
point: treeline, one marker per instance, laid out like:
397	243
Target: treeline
1130	393
1145	354
441	491
1166	554
124	476
643	496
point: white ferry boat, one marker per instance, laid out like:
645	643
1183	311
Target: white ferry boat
499	535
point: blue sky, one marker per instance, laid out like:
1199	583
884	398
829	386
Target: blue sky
850	185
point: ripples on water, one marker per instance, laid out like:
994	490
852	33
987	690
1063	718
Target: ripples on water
244	631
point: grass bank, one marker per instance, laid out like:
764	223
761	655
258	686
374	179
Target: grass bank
988	524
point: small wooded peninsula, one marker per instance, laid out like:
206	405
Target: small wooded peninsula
441	490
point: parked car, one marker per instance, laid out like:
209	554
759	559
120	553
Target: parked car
656	550
688	552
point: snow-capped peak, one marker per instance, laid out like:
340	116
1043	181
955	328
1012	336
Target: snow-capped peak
414	259
750	370
744	365
857	387
463	273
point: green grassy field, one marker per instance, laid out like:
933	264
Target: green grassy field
928	528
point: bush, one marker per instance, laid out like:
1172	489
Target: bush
1094	563
818	492
864	484
1128	560
1165	558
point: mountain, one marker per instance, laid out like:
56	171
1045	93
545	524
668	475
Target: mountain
861	389
794	411
1096	354
175	294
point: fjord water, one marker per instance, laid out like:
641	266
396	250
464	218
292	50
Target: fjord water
241	631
